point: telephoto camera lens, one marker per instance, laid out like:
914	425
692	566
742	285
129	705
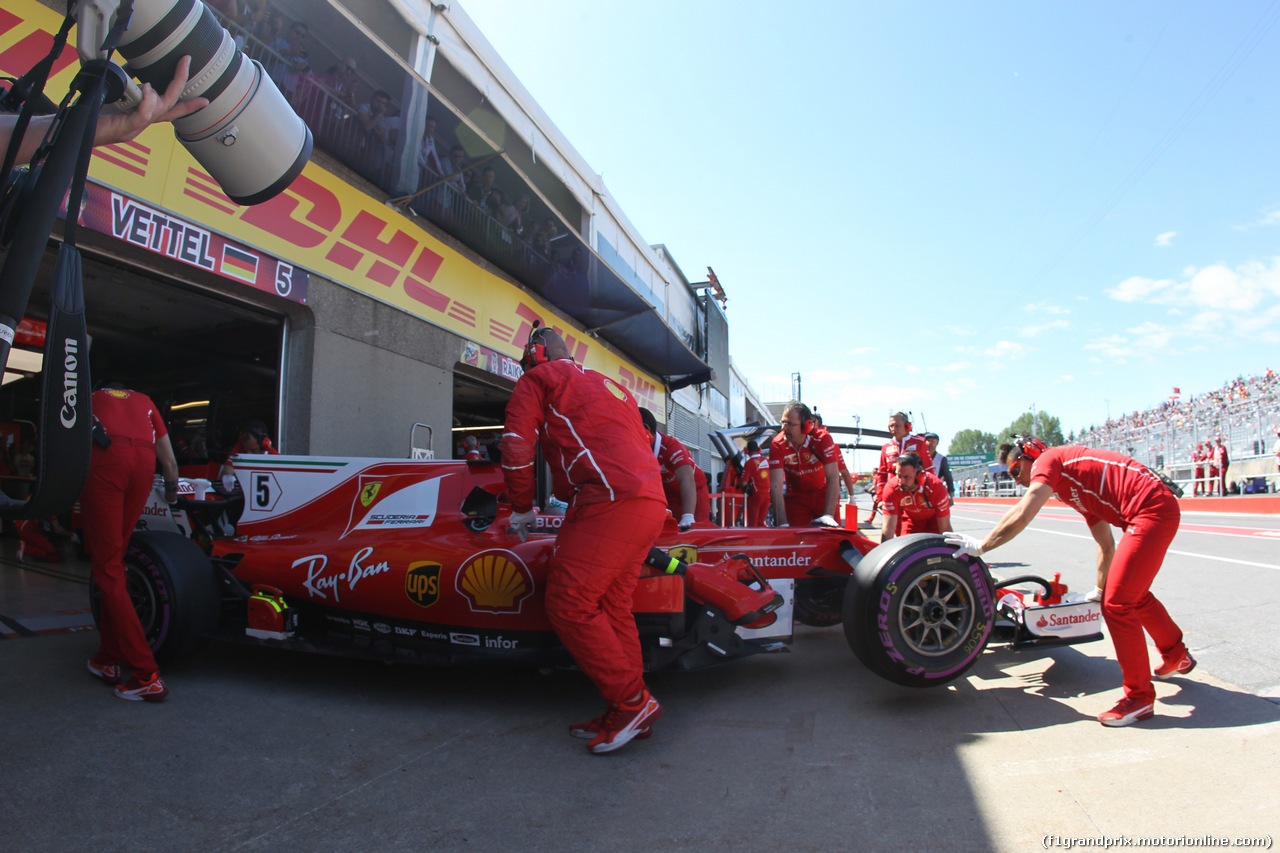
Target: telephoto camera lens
248	138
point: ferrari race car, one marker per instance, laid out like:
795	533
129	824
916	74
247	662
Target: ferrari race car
412	560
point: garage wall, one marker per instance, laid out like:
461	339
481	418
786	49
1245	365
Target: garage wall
375	371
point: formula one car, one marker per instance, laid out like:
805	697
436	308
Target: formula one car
411	560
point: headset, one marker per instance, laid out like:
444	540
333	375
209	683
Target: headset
807	422
535	351
906	420
1027	446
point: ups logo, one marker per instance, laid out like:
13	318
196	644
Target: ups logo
422	583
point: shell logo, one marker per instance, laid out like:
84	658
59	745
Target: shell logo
495	582
614	389
117	393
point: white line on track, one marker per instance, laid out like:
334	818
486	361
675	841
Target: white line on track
1171	551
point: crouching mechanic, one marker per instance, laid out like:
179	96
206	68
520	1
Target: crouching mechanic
601	464
683	482
804	461
917	497
1109	490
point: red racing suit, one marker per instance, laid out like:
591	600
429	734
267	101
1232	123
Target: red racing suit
1110	487
889	457
671	454
804	471
755	474
1220	465
919	510
590	433
1198	458
120	478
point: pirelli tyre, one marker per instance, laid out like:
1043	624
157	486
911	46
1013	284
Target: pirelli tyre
173	590
819	602
915	614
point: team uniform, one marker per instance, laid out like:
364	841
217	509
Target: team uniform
804	471
671	455
1109	487
889	457
120	478
755	473
1198	457
601	464
918	511
1219	470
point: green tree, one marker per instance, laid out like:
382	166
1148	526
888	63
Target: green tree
1046	427
972	441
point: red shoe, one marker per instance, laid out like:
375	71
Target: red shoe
591	728
624	724
1127	712
1178	665
109	673
152	690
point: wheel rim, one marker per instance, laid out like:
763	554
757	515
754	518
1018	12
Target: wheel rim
936	613
143	597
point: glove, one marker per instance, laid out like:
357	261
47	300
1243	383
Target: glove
966	546
522	522
686	521
170	492
1096	595
825	521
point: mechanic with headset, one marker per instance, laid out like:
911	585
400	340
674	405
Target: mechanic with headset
1109	490
917	497
601	463
754	483
902	441
253	440
683	481
129	438
804	461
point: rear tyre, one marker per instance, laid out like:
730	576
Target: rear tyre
173	590
915	614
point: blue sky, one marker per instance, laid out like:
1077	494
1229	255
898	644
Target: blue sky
959	209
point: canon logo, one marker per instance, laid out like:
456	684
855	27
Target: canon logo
70	382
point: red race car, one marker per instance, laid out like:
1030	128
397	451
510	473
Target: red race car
411	560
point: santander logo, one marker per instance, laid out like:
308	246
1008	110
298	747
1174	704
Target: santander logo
1061	622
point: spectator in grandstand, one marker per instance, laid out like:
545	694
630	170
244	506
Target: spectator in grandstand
479	190
1221	462
916	501
494	203
455	162
754	483
1109	490
321	98
381	128
340	80
428	158
804	482
292	64
686	487
941	469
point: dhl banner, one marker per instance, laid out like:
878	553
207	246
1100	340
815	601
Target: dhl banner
319	223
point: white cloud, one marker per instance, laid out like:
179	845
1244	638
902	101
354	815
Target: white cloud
1166	239
1046	308
1005	350
1138	289
1033	331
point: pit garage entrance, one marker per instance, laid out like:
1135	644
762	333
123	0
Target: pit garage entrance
479	409
211	363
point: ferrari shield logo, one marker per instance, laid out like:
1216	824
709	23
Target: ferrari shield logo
684	553
369	492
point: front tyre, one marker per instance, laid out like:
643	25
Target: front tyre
915	614
819	601
173	590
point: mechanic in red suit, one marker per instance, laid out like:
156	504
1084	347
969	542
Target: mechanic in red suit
253	440
682	480
902	441
754	483
472	447
1109	490
1220	462
121	476
1198	456
842	469
916	496
803	461
602	465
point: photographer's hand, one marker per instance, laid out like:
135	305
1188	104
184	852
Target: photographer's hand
121	127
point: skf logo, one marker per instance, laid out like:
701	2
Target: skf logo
369	492
495	582
684	553
422	583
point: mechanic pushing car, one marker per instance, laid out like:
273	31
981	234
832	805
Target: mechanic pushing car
805	461
683	482
601	463
128	438
1108	489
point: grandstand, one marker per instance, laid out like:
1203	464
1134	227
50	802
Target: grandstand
1245	412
